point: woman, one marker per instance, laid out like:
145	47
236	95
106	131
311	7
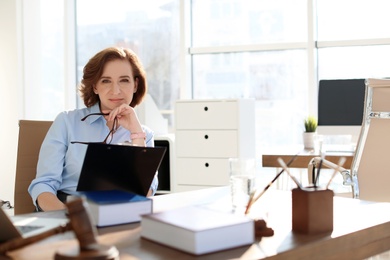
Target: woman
114	82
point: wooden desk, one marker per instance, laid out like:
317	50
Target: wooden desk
361	229
270	157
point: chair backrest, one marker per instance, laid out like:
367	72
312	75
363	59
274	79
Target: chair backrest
31	135
370	166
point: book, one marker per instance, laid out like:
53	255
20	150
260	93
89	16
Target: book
198	230
114	207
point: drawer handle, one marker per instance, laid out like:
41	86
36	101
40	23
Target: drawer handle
206	137
206	108
206	164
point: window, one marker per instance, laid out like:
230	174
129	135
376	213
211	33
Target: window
237	22
354	62
254	49
45	81
149	28
352	19
267	50
352	40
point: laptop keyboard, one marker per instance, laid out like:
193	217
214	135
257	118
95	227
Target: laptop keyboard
26	229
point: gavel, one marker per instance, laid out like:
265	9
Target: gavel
80	224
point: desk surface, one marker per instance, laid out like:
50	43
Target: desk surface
361	229
270	156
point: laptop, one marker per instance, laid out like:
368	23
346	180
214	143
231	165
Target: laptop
22	226
119	167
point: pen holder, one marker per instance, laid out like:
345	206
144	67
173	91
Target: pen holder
312	210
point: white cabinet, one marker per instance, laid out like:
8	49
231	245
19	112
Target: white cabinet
207	134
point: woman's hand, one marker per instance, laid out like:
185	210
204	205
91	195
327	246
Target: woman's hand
126	116
128	119
48	201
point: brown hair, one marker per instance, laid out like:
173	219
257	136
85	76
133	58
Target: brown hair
93	70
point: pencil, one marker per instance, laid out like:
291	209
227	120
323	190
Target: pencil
253	198
281	162
339	165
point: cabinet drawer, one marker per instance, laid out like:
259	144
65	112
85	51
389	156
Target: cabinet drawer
207	143
206	115
210	172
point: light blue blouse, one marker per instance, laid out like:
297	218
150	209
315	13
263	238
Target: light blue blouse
60	162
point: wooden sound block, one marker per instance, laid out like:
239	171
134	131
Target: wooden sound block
100	252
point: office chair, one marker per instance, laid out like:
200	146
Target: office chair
370	169
31	135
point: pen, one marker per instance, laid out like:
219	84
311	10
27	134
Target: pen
317	177
253	199
318	173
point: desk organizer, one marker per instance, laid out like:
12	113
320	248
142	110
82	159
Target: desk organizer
312	210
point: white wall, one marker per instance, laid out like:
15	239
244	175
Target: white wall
11	97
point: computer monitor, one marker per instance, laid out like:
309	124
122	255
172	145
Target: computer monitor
341	107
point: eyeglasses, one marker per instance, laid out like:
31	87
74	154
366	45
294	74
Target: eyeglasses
110	135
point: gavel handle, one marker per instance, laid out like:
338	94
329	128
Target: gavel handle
21	242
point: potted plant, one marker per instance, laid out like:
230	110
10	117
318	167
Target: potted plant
310	124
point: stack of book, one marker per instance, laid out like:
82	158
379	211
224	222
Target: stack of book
114	207
198	230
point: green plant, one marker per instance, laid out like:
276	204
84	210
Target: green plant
310	124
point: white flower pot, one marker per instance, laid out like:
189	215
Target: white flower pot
308	139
